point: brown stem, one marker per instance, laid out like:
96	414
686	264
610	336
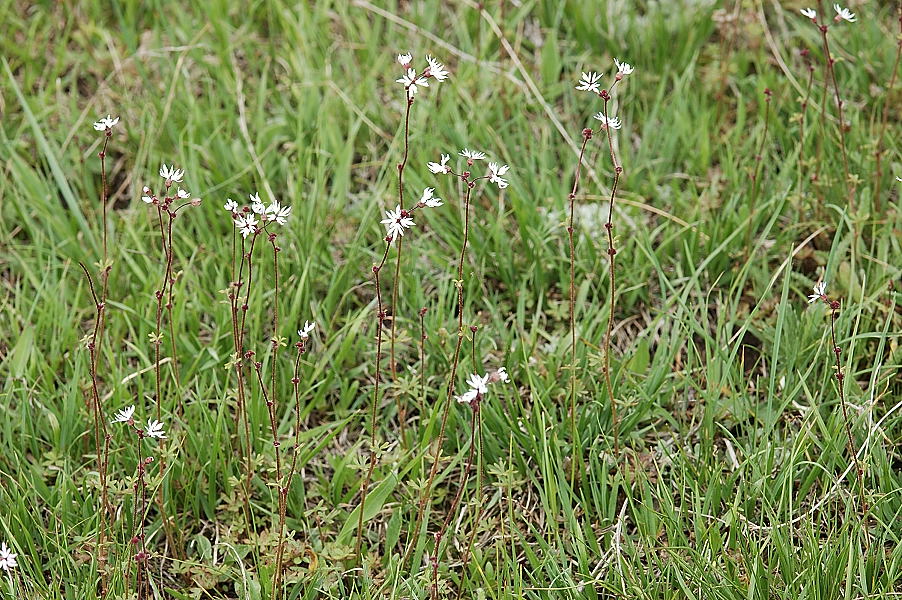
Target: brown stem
831	74
395	283
380	316
609	226
469	548
840	379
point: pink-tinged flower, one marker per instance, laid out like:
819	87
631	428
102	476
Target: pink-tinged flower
623	68
478	383
246	225
612	122
467	397
441	167
7	558
428	200
105	123
810	13
154	429
171	174
820	292
404	59
396	221
499	375
411	81
436	69
589	82
843	14
230	205
304	332
125	415
183	194
278	213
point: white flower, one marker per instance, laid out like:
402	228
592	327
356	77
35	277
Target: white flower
501	375
478	383
154	429
246	225
278	213
441	167
589	82
898	178
495	173
171	174
468	397
428	200
7	558
404	59
472	154
148	195
843	13
623	68
257	206
436	69
230	205
105	123
183	194
809	12
410	81
820	291
612	122
305	331
125	415
396	222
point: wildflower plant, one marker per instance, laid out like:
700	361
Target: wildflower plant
591	82
396	223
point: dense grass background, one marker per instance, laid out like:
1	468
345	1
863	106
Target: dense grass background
734	481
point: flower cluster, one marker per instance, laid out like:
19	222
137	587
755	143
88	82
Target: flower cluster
495	173
590	82
413	81
7	558
153	428
170	175
248	219
478	385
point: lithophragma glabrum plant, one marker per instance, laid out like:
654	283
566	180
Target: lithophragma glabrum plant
591	82
396	222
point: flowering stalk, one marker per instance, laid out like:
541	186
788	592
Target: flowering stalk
285	485
878	152
842	14
101	437
153	429
820	294
608	123
588	82
252	221
473	397
396	222
495	175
